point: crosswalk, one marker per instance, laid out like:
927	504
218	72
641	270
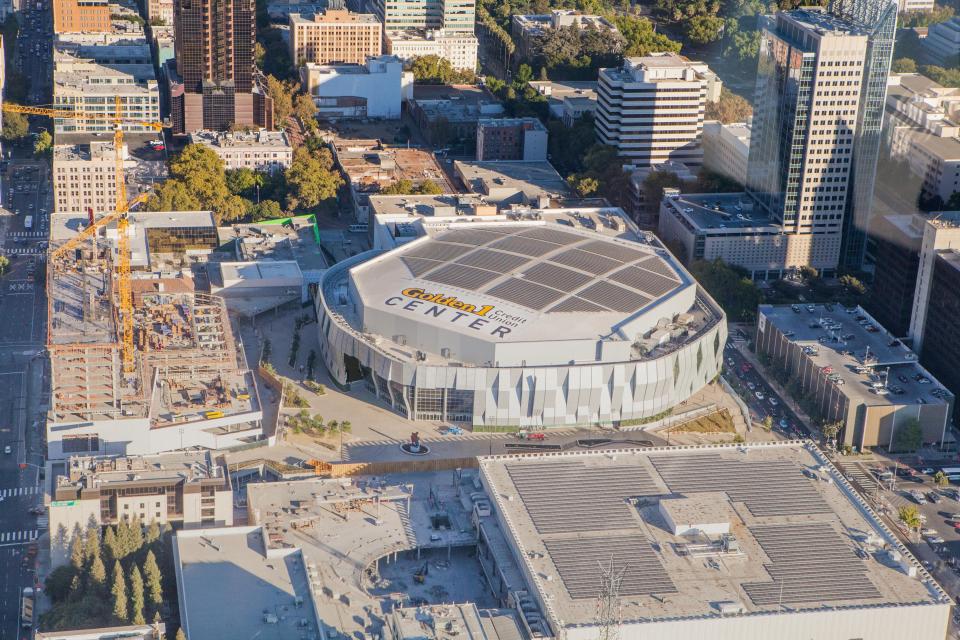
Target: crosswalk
23	251
24	535
863	478
27	234
19	491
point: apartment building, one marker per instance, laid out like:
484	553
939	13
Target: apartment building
160	11
460	48
84	177
263	151
454	16
189	489
651	109
923	128
334	37
511	139
73	16
726	149
90	87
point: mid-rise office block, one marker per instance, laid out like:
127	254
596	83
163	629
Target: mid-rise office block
528	30
460	48
213	86
263	151
651	109
511	139
73	16
335	36
84	177
454	16
89	87
942	44
188	489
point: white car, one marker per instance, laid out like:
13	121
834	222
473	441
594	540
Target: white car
759	395
927	532
7	450
773	401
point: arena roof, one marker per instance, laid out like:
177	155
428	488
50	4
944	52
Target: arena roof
797	531
525	271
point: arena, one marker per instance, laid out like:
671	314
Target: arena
552	318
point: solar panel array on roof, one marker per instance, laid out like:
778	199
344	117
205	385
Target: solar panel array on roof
809	562
582	561
525	293
458	275
522	265
761	485
645	281
564	497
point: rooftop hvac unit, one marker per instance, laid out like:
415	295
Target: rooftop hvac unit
400	339
445	352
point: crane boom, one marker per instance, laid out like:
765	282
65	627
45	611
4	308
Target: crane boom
122	208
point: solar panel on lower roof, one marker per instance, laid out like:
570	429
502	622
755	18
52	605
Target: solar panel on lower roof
809	562
556	277
433	250
581	562
574	304
458	275
564	497
527	294
585	261
523	246
615	251
419	266
760	484
646	282
550	235
614	297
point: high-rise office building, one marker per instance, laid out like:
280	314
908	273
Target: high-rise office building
453	16
814	143
213	86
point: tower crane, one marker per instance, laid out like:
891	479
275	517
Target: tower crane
119	214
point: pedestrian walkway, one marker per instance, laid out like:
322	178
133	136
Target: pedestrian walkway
23	251
863	479
27	234
24	535
19	491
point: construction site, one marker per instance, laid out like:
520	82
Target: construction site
180	366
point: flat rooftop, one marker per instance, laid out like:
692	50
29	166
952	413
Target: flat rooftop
232	587
293	240
454	621
717	212
792	533
873	350
510	180
823	22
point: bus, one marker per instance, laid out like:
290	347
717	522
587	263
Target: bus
28	222
26	608
952	473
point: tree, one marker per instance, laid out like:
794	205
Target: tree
909	436
433	69
904	65
583	185
703	29
153	533
4	264
266	210
941	479
939	13
282	94
77	553
136	597
180	634
730	286
831	429
98	572
729	108
953	204
172	195
15	127
136	535
111	545
57	583
119	592
428	188
946	77
768	422
153	579
202	171
243	181
742	45
312	179
642	37
304	108
910	517
43	145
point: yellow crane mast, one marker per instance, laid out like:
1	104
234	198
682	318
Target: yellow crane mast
119	213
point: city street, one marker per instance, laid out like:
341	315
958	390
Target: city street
25	195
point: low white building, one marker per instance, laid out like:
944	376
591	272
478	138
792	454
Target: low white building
726	148
375	89
263	151
459	48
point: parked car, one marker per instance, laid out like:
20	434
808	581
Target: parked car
759	394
